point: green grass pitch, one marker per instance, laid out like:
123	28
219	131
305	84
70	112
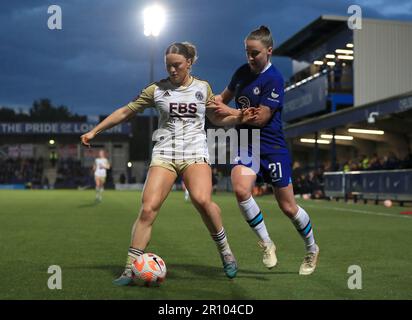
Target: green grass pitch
89	242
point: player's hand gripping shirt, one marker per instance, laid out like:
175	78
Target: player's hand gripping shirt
180	134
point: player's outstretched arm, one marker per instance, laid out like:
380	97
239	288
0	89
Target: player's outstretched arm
222	115
238	117
219	113
120	115
226	96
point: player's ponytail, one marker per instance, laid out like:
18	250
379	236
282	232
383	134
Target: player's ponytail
262	34
186	49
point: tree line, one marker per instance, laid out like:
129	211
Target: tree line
42	110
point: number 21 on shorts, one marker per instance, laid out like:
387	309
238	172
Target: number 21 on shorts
275	170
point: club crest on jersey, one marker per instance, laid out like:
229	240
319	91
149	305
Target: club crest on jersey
256	91
199	96
244	102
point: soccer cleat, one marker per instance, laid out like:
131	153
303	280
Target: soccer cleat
269	254
229	264
310	260
125	279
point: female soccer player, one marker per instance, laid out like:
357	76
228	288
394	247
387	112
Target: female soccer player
180	149
258	89
101	164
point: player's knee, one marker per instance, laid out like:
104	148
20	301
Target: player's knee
200	200
147	214
242	194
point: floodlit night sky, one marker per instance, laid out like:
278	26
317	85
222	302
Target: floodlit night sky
100	59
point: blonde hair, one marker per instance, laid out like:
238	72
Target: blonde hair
262	34
186	49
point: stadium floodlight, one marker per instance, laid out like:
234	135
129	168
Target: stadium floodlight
154	20
331	63
344	51
320	141
330	56
366	131
129	164
337	137
349	45
318	62
52	142
345	57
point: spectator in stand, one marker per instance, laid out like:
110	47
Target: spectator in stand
53	158
392	162
20	170
346	167
374	162
364	162
407	162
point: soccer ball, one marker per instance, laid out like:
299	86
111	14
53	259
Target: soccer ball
387	203
149	268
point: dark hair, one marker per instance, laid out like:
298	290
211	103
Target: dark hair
186	49
262	34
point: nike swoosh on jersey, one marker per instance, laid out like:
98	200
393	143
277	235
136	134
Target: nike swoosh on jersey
274	95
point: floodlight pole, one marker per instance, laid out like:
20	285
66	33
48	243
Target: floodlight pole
152	40
153	22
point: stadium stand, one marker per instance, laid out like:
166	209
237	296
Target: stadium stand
346	116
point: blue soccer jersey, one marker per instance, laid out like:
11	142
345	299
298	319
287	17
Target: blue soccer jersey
265	88
273	164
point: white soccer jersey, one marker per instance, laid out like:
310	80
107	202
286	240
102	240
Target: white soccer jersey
100	164
180	134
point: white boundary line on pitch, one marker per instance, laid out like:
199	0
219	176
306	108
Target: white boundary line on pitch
351	210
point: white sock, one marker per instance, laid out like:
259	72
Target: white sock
304	227
221	241
254	218
132	255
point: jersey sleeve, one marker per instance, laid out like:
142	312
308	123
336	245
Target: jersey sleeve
209	94
233	82
273	93
144	100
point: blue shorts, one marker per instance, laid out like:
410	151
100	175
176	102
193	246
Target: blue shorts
274	169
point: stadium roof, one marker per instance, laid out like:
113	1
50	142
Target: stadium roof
318	32
312	35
